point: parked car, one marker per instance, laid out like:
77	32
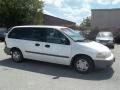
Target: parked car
2	33
57	44
117	36
105	38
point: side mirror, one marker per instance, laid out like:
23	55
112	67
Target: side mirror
65	41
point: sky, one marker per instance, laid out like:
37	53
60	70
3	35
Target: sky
76	10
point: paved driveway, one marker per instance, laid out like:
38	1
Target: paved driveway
34	75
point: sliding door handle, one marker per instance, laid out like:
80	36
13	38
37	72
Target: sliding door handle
47	46
37	44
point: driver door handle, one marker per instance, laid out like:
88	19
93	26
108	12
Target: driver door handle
47	46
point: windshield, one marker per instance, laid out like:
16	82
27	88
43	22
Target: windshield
105	34
75	35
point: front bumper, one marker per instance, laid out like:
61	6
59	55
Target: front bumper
107	44
101	64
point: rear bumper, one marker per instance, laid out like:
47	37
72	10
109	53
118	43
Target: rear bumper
101	64
110	44
7	50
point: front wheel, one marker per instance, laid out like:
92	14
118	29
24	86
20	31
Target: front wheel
83	64
17	56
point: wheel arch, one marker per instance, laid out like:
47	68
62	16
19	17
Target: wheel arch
78	55
14	48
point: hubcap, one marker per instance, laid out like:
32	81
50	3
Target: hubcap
82	65
16	56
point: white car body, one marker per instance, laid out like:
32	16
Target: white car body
58	53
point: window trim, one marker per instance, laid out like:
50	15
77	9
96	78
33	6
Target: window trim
37	40
22	38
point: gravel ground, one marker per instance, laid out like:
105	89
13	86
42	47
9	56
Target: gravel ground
34	75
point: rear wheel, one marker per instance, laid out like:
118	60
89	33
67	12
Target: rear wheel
83	64
17	56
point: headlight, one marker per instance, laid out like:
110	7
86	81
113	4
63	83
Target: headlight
103	55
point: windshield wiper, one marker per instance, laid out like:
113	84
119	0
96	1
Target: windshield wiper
84	40
79	40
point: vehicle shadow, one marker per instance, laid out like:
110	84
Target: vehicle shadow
56	70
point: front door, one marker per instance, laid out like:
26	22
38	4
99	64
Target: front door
57	47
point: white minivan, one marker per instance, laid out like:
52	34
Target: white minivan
56	44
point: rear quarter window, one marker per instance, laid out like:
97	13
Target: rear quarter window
20	33
32	34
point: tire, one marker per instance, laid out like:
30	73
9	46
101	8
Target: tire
17	56
83	64
112	46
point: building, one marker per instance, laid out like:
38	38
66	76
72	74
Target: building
105	19
55	21
51	20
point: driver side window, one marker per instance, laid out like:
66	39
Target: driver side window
54	36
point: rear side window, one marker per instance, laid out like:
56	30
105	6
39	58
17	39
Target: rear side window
33	34
20	33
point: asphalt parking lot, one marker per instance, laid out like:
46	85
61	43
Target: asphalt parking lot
34	75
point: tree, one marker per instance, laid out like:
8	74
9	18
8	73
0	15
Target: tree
86	23
20	12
